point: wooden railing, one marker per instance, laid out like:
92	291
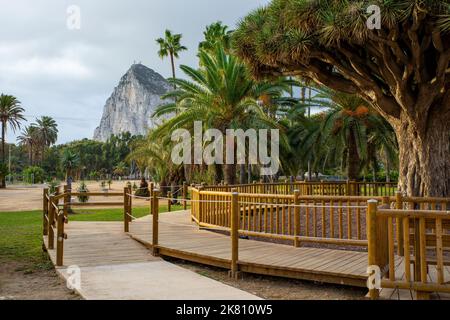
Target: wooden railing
425	245
56	215
346	221
322	188
299	219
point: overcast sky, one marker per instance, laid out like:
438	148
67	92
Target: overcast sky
69	74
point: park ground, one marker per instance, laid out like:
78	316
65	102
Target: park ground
27	273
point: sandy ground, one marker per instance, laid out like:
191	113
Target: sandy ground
27	198
272	288
17	282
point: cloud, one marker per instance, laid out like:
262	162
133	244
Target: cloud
69	74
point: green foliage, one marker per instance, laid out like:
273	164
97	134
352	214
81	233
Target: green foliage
34	175
53	186
83	189
3	170
170	45
216	35
70	161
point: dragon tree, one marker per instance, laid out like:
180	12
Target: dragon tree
401	67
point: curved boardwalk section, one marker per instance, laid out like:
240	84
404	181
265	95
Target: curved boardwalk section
180	238
115	267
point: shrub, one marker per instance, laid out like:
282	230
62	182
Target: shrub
33	175
83	189
53	186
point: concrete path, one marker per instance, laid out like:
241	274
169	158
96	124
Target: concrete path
112	266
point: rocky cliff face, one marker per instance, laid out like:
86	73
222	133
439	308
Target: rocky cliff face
132	103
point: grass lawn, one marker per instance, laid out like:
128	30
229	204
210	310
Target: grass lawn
21	233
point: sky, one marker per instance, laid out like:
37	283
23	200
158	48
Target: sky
57	69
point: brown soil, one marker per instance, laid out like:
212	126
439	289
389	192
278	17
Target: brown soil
272	288
19	282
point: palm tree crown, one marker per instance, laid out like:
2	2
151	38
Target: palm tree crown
170	46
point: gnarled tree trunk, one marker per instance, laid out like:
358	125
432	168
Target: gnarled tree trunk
353	161
230	174
424	143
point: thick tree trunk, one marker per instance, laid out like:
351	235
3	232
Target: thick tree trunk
230	174
218	173
424	155
242	174
353	161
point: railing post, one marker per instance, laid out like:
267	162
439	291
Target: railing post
399	206
130	203
372	242
61	236
67	199
126	211
51	222
150	189
200	205
185	194
296	218
234	273
45	213
169	201
155	215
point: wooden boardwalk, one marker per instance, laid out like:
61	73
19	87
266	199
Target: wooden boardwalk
180	238
112	266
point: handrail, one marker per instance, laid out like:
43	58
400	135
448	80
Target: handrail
422	231
55	215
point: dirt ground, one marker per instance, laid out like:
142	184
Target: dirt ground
12	199
18	282
273	288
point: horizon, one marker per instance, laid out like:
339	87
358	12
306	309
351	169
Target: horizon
82	67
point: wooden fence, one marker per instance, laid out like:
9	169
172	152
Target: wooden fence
417	230
425	244
322	188
56	208
409	227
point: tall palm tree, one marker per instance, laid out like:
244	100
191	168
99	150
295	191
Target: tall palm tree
11	113
30	139
170	46
48	133
221	95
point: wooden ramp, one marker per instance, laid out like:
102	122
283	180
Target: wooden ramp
112	266
180	238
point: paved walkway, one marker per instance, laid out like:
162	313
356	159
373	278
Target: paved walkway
115	267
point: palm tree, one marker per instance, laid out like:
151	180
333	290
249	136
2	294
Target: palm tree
121	169
221	95
29	138
216	34
48	133
350	129
69	162
11	113
170	46
148	153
